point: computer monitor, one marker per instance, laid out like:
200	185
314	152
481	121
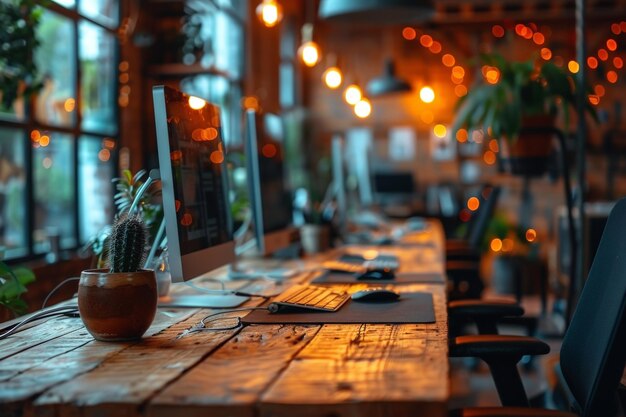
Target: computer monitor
339	180
270	200
394	186
195	184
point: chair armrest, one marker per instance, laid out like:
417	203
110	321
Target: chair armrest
485	308
484	313
509	412
454	244
501	353
485	346
461	250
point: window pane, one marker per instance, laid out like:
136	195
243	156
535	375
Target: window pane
102	11
95	190
53	176
219	91
12	193
55	104
228	45
97	64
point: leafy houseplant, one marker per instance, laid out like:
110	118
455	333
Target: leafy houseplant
120	303
13	283
126	190
518	102
19	20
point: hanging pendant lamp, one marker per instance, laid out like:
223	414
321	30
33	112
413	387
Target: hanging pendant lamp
376	12
388	83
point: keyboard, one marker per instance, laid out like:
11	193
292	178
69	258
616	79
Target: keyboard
379	262
344	266
309	297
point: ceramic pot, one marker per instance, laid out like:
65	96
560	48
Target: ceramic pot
315	238
531	154
117	306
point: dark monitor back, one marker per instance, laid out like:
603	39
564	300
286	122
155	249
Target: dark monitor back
394	183
276	198
270	197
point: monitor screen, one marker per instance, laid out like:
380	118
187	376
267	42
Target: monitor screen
195	183
394	183
269	196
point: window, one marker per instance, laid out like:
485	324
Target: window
57	155
217	29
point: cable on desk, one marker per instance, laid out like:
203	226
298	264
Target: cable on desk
202	324
70	311
45	301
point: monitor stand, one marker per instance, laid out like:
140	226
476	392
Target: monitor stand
202	300
248	270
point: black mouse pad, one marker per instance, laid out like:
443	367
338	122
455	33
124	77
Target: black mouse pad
399	278
412	307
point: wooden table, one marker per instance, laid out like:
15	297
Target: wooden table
57	369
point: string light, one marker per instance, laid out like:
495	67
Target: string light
269	12
440	131
409	33
332	77
363	108
309	51
573	67
473	203
310	54
427	94
353	94
497	31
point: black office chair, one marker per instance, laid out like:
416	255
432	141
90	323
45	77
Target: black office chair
463	255
593	353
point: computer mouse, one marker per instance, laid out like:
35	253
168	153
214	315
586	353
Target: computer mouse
375	295
376	275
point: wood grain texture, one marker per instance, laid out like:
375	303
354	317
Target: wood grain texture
61	359
372	370
125	381
230	381
57	369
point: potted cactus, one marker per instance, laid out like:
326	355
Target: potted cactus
119	303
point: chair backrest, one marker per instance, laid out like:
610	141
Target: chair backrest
593	353
478	226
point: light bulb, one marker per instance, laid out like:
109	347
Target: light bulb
310	53
269	12
332	77
363	108
427	94
353	94
440	131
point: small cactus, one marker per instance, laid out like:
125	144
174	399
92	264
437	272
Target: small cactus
127	244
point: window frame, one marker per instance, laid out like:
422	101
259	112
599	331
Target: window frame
76	132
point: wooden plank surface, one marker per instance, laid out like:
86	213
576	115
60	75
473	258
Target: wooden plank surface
62	359
57	369
370	370
229	382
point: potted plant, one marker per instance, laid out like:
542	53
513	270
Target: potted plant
518	267
127	187
18	71
315	233
119	303
518	102
13	283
